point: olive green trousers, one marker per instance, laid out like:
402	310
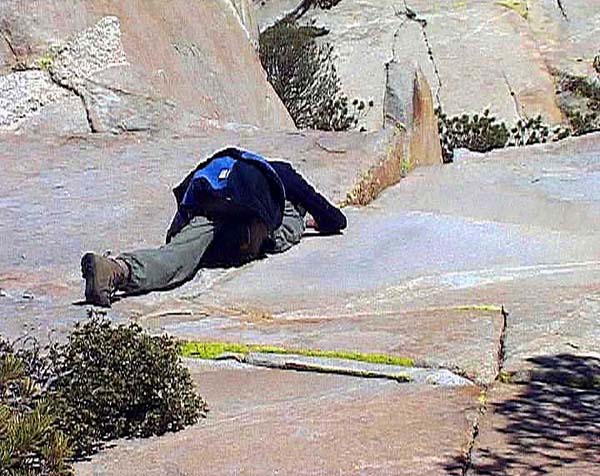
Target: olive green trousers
203	243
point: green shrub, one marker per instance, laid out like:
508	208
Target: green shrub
304	76
105	382
580	86
118	381
30	443
483	132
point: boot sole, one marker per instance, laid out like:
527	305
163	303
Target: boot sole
88	271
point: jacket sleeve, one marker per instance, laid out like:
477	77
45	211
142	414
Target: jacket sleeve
329	218
177	224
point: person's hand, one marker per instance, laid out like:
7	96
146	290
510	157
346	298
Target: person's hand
257	233
312	223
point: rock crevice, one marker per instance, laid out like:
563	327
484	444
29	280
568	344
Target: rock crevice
561	7
414	16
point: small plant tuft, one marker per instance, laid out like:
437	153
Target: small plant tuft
579	99
214	350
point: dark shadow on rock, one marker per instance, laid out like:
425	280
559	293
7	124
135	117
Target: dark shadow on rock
545	425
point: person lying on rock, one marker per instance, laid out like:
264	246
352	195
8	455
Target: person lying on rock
234	207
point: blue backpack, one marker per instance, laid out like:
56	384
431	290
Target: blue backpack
235	184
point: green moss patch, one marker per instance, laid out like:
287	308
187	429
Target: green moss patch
213	350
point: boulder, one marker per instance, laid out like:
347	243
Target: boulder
137	64
408	104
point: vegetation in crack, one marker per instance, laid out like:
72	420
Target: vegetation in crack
306	5
579	100
303	74
106	382
214	350
484	132
464	463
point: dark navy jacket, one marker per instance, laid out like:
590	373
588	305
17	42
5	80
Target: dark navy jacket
284	183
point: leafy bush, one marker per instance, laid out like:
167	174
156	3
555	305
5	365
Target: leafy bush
118	381
105	382
303	74
30	442
482	133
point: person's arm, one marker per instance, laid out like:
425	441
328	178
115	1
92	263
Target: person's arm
328	218
179	221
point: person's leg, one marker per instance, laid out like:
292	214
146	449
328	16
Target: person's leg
291	230
172	264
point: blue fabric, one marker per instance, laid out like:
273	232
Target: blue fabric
212	173
235	182
247	189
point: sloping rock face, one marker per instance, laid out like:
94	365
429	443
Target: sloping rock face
96	192
245	14
423	272
476	54
566	33
269	12
134	65
268	422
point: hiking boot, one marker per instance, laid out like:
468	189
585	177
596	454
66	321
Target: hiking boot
103	277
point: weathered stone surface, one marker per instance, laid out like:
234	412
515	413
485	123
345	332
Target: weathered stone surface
417	273
420	273
481	53
408	104
64	117
402	374
269	12
463	339
273	422
363	37
567	33
24	94
6	56
541	428
62	197
134	61
246	15
551	296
